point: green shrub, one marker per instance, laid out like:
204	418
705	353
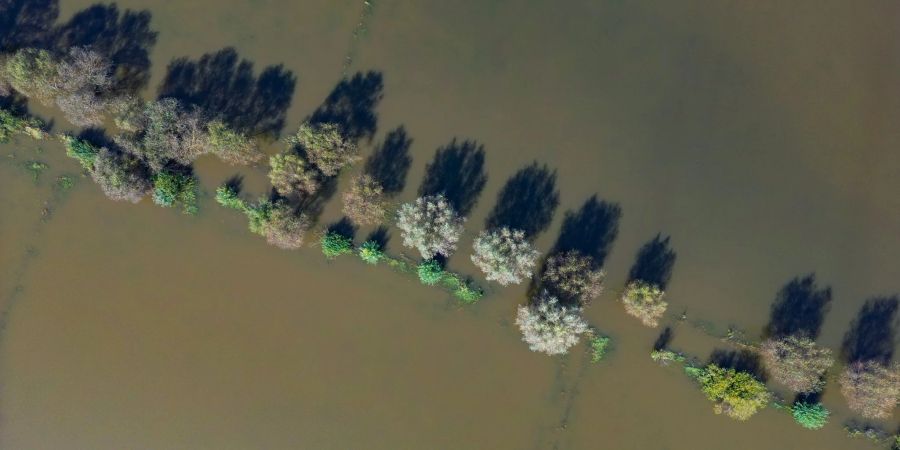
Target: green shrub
335	244
81	150
11	124
430	272
599	347
809	415
36	168
666	357
468	293
231	146
228	197
737	394
33	73
371	252
278	222
170	188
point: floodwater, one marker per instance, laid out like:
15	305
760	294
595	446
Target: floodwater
762	136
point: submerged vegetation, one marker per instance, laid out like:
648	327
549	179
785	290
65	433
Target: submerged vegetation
810	415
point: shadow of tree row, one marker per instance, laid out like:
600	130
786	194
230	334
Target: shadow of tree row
223	84
873	333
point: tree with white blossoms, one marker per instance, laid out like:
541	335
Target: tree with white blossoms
549	327
504	255
430	225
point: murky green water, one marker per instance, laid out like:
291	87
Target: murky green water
762	136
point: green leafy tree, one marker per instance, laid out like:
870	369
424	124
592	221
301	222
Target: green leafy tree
812	416
33	73
290	174
736	394
430	272
171	188
644	301
371	252
335	244
228	197
325	147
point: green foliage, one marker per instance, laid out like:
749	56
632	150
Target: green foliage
228	197
278	222
693	372
81	150
325	147
64	183
11	124
430	272
32	72
666	357
335	244
468	293
737	394
810	415
258	215
36	168
371	252
599	347
170	188
233	147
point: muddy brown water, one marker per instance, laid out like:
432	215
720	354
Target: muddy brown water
762	136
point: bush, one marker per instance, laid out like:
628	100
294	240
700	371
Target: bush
599	347
572	275
430	225
430	272
228	197
33	73
737	394
371	252
810	415
278	223
364	202
549	327
231	146
504	255
665	357
796	362
170	188
121	176
335	244
83	77
871	389
467	293
325	147
644	301
81	150
11	124
290	174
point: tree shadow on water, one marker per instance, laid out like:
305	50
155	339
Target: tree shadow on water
26	23
663	340
351	104
872	334
223	84
380	235
344	227
123	37
527	201
390	161
742	361
591	230
799	308
457	172
654	262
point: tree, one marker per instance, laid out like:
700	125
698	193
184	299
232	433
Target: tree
430	225
278	223
364	202
644	301
33	73
430	272
572	275
325	147
167	133
231	146
82	81
228	197
736	394
371	252
335	244
549	327
170	188
797	362
289	174
121	176
504	255
870	388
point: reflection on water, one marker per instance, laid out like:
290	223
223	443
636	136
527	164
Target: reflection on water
764	146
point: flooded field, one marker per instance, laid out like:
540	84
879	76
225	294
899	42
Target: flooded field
761	136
